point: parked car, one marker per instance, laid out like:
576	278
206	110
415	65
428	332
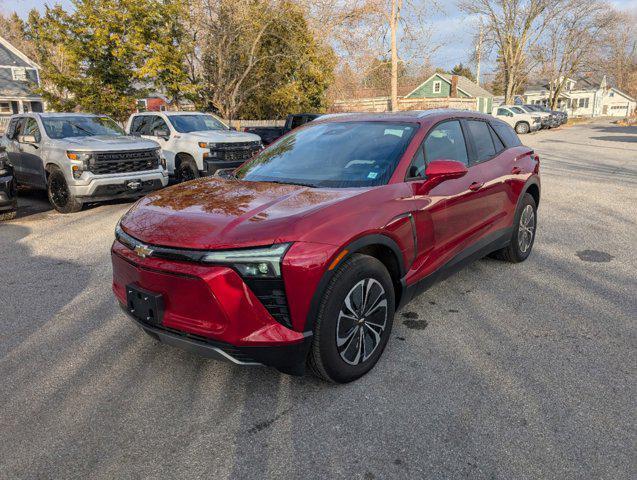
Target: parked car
8	189
560	117
547	120
270	134
194	143
79	158
310	248
520	120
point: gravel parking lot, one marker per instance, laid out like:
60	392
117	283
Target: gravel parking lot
501	372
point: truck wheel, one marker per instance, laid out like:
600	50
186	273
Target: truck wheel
522	128
187	170
59	194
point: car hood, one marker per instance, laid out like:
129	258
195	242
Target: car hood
215	213
222	136
106	142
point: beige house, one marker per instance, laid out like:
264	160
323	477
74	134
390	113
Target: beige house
585	97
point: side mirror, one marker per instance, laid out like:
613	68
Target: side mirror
161	132
30	139
441	170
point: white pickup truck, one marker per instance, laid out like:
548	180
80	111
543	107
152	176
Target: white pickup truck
194	143
520	120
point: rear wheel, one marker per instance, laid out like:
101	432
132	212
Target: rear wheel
354	320
187	170
59	194
522	128
523	235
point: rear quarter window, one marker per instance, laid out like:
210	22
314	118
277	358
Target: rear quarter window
506	134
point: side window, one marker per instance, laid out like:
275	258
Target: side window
136	125
499	145
12	129
507	134
417	167
31	128
482	140
504	112
297	121
157	124
446	141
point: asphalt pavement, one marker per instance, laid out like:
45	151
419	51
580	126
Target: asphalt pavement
503	371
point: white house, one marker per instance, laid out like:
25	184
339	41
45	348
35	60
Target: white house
585	97
19	76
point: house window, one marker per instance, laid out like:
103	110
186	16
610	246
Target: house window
583	103
611	94
19	74
437	86
141	105
5	107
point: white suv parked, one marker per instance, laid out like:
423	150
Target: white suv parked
194	143
520	120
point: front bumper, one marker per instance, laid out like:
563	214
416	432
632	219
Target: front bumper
210	310
288	359
117	186
211	166
8	194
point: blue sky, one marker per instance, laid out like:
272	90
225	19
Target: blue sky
453	30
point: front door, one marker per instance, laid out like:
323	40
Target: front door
30	161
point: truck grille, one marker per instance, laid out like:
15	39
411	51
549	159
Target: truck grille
123	162
234	152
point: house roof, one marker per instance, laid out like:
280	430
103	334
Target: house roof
11	56
464	85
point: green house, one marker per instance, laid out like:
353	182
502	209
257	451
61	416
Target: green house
446	85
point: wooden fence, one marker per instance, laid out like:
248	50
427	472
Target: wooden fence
382	104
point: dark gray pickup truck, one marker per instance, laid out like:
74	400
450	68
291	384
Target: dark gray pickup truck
270	134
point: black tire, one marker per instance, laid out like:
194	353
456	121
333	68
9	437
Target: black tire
59	194
8	216
326	359
522	128
514	251
187	170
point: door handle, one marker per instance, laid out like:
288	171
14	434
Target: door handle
476	186
516	170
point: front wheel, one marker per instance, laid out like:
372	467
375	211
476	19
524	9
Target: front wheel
523	235
187	170
59	194
522	128
354	320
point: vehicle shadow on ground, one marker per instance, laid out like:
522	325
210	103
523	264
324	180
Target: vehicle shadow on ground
32	202
617	138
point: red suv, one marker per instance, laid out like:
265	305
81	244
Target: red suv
304	253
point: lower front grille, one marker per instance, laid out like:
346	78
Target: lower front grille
123	162
271	293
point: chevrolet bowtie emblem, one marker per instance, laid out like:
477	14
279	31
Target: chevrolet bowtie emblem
143	251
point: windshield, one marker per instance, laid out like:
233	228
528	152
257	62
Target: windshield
517	110
195	123
338	155
80	126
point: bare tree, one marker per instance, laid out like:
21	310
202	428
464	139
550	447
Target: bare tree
572	40
513	27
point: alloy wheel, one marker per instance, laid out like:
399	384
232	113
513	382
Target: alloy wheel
361	321
59	191
186	173
526	228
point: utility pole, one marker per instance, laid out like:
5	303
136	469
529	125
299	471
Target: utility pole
394	21
479	53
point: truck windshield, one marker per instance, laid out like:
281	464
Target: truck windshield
195	123
334	155
80	126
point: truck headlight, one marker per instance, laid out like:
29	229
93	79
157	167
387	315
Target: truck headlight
262	262
207	145
82	160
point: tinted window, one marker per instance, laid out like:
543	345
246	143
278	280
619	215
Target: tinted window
139	125
339	155
499	146
79	126
157	123
446	142
481	139
507	134
12	130
195	123
297	121
30	127
504	112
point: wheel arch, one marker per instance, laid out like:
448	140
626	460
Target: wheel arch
181	156
532	187
379	246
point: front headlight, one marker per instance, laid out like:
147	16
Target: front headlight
207	145
251	262
79	156
83	159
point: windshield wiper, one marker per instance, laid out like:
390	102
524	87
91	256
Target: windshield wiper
81	128
291	183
